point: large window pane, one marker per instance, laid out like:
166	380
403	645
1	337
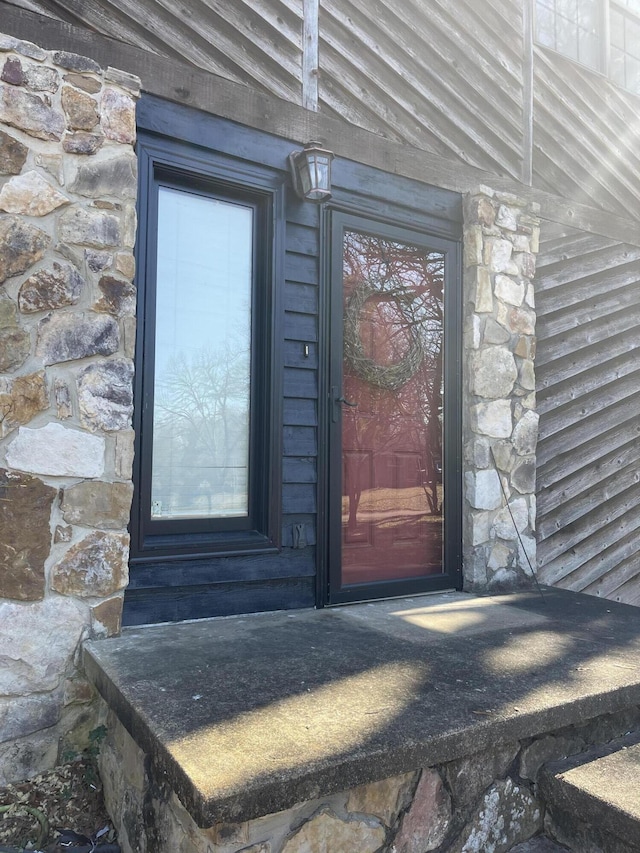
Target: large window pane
566	37
632	74
545	25
572	27
625	45
588	15
616	66
200	463
588	49
632	39
617	29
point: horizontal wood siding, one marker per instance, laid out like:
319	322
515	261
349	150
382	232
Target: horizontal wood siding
175	604
443	76
585	136
256	42
588	377
300	443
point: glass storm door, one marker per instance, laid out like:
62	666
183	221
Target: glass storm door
387	411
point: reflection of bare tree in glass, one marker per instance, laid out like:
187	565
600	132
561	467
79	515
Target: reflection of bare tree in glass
201	424
403	312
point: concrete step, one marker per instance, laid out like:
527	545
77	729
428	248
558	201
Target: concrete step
593	798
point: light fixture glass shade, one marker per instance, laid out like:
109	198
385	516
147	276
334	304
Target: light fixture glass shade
311	172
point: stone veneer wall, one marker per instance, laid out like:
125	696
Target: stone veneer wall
67	333
486	802
67	304
500	425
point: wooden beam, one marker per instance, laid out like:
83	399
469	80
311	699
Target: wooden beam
182	83
527	93
310	54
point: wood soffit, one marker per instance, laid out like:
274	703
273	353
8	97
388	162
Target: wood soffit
182	83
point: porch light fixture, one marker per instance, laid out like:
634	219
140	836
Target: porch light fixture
311	172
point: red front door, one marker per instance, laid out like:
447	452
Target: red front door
388	410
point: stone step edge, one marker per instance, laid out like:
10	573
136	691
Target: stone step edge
562	791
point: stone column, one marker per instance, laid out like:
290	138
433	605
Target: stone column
67	322
500	425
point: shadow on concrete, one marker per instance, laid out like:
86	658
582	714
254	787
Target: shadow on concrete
249	715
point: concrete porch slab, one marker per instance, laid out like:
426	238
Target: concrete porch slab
248	715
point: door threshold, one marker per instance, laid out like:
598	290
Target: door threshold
400	597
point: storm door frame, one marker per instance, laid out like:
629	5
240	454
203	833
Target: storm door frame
439	236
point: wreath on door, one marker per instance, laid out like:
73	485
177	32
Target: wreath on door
393	376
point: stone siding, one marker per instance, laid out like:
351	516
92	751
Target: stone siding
485	802
500	425
67	224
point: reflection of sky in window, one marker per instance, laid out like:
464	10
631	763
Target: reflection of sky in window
204	276
202	362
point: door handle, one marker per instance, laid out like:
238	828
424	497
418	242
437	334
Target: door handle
337	403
